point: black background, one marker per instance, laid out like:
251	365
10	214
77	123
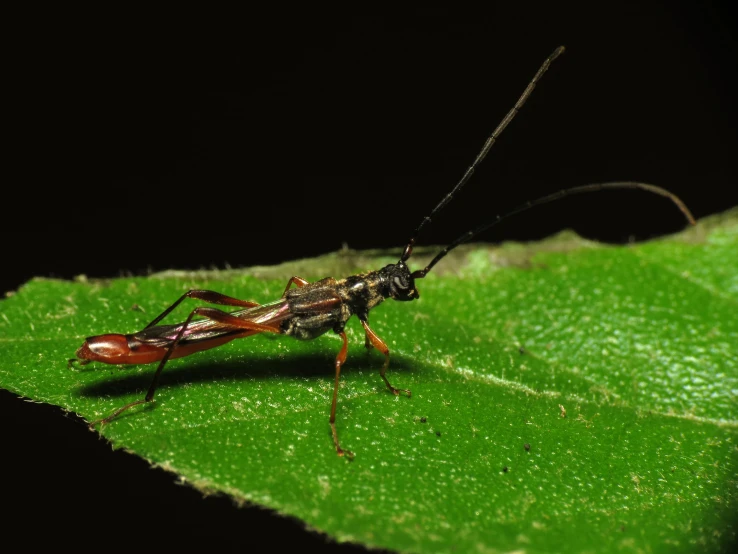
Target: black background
144	142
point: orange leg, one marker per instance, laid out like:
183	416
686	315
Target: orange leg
298	281
210	313
340	359
376	342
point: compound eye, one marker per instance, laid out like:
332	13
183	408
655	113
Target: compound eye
400	283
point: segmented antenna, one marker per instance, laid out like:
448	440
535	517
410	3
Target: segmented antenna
485	149
419	274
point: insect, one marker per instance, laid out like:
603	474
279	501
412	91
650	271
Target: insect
312	309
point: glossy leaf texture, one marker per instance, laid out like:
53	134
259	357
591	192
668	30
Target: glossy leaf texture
567	396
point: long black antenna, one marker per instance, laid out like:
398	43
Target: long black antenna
419	274
485	149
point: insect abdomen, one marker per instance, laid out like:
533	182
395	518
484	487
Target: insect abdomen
119	349
129	349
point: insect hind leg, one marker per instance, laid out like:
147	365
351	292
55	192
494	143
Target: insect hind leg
209	296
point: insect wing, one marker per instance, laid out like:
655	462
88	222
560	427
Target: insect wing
266	314
206	329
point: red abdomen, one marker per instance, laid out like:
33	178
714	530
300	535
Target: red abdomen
128	349
119	349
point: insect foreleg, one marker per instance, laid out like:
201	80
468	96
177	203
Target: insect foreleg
210	313
209	296
340	359
376	342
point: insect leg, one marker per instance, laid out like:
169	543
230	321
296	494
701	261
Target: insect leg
209	296
209	313
298	281
376	342
340	359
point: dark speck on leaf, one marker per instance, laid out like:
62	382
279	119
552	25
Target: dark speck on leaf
521	350
423	420
438	433
527	447
504	469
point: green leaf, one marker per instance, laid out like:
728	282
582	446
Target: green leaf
636	346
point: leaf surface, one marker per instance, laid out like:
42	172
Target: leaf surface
636	346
